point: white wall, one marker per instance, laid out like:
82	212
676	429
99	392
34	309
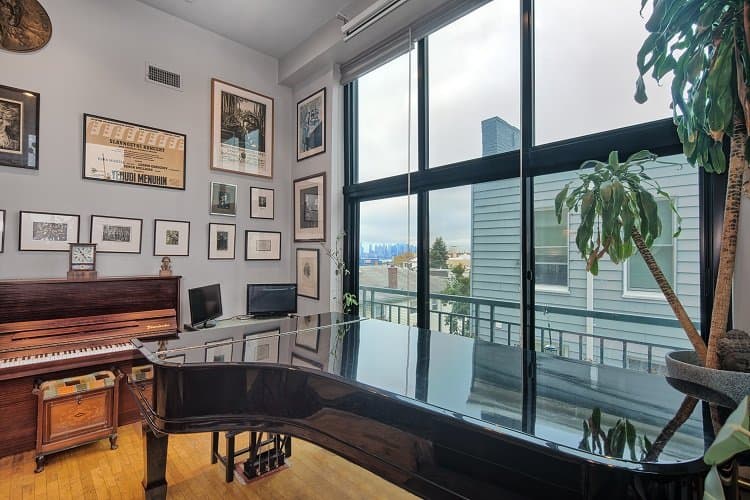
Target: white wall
95	64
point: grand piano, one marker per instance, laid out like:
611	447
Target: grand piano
440	415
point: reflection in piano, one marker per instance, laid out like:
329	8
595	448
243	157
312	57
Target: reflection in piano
439	415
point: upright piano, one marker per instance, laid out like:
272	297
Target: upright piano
50	329
440	415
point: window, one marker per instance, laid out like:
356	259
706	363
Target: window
551	249
638	277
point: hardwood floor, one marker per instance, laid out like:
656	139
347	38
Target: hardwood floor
96	472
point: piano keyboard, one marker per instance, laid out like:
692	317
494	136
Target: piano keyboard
55	356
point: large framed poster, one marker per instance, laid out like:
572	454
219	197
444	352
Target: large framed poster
241	130
19	127
127	153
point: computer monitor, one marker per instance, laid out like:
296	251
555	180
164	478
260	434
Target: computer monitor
271	299
205	305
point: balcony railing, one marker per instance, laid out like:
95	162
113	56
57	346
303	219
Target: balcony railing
487	319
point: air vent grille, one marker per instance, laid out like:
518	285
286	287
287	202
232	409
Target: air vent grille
160	76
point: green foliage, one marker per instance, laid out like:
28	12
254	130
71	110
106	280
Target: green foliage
703	44
613	199
438	254
733	438
613	442
458	285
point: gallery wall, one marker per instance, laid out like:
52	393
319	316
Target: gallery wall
95	63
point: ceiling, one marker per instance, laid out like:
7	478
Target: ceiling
273	27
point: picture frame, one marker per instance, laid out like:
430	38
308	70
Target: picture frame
308	273
308	339
262	245
116	234
221	241
223	199
302	362
220	351
19	128
171	238
262	347
262	203
47	232
242	130
2	230
310	208
311	125
127	153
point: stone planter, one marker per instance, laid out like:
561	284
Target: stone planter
722	387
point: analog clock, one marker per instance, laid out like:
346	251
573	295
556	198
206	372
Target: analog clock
82	257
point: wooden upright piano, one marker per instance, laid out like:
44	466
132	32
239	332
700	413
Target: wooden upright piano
51	329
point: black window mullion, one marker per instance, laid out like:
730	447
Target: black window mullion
423	201
351	206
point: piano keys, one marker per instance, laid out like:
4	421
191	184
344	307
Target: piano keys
440	415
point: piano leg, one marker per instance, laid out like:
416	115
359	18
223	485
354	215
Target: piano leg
155	465
113	441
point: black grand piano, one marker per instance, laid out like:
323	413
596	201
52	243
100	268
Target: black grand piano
440	415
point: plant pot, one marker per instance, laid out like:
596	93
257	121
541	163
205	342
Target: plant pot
725	388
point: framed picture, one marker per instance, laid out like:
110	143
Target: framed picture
223	199
261	347
241	130
2	231
261	203
308	339
219	351
19	128
308	273
117	151
171	238
311	125
221	241
39	231
310	208
305	363
262	245
116	234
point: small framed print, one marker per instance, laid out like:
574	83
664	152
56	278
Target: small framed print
39	231
311	125
221	241
260	245
310	208
223	199
219	351
261	203
261	347
308	273
308	339
2	231
19	127
305	363
116	234
171	238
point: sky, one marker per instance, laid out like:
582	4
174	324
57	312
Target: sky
585	79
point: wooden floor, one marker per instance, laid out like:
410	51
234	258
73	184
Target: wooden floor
96	472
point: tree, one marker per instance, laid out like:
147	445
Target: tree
438	254
704	44
403	258
458	285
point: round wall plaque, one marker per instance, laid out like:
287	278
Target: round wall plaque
24	25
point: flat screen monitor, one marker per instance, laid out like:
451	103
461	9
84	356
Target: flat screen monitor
205	305
271	299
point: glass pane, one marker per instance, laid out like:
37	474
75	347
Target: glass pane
639	328
388	260
474	89
383	120
547	231
585	68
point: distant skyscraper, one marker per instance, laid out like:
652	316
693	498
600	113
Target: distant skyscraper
499	136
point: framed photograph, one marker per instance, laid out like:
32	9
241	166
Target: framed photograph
19	128
261	347
219	351
39	231
311	125
2	231
116	234
171	238
305	363
310	208
308	273
221	241
241	130
117	151
261	203
308	339
262	245
223	199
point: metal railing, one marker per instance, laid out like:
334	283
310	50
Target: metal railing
487	322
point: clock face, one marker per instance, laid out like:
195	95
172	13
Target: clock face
82	258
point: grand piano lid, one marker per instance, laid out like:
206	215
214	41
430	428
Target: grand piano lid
494	385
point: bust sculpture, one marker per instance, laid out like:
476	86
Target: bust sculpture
166	267
734	351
